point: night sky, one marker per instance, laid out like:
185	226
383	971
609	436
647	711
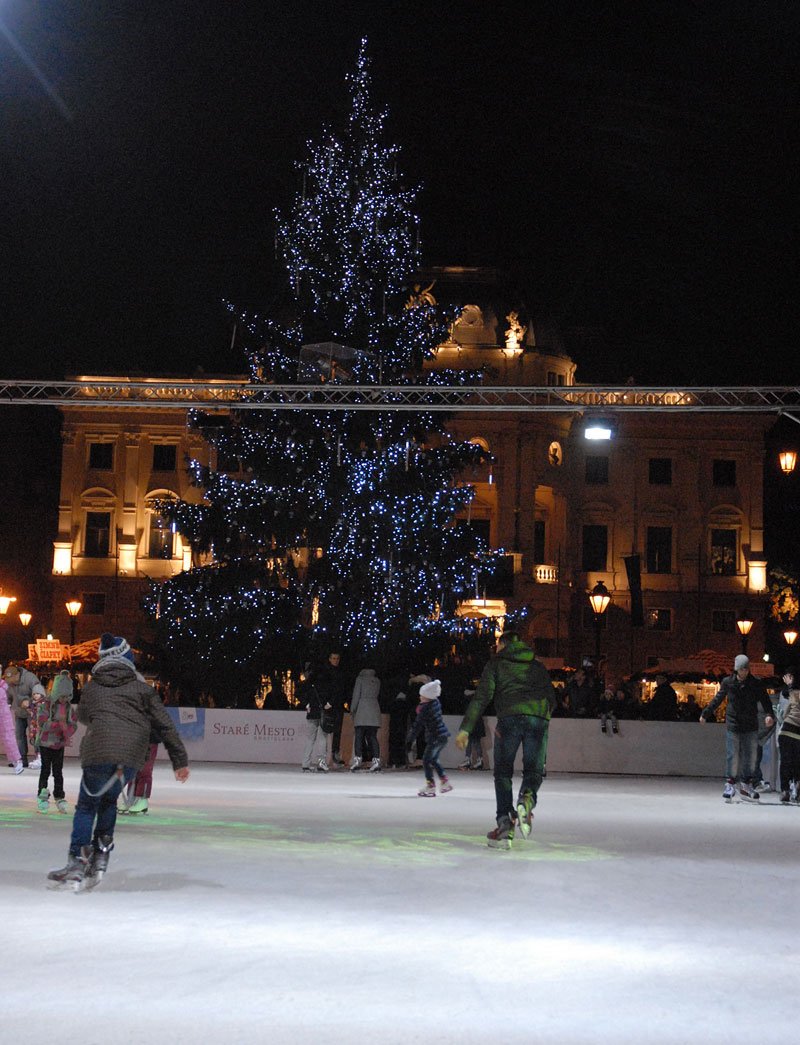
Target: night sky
630	164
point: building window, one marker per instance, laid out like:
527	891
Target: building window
164	457
659	549
661	471
162	539
94	603
551	378
98	535
723	473
723	621
723	552
597	471
595	549
539	544
101	456
658	620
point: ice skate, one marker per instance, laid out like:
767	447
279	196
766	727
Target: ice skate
355	763
36	764
445	786
793	793
18	767
71	874
43	800
375	766
729	792
323	767
138	805
478	764
525	814
98	863
784	798
748	793
502	836
429	791
466	764
61	805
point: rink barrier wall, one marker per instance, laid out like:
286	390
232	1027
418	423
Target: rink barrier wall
575	745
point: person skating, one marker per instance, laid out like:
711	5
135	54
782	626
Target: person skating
332	685
430	722
118	709
524	699
23	689
366	711
744	693
8	734
789	747
53	722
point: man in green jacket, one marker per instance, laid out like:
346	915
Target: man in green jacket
524	699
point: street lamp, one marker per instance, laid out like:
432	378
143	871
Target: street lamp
599	598
788	460
790	636
744	625
74	607
5	602
24	619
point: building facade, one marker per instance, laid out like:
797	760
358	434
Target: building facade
673	500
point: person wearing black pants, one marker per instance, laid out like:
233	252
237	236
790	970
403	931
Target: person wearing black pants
789	748
53	762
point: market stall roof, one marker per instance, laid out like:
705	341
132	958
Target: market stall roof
707	663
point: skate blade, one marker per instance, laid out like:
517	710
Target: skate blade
502	846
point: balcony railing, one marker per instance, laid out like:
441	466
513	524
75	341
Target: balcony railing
545	573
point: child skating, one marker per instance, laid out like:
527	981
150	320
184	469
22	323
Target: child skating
53	721
429	720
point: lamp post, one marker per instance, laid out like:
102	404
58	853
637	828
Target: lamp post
744	625
74	607
790	636
599	598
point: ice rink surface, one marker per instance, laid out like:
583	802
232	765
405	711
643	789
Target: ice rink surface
261	904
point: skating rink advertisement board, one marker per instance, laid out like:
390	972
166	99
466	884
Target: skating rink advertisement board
574	746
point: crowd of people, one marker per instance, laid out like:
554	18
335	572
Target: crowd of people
126	721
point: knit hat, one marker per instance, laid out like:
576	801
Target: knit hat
741	662
431	690
62	686
114	647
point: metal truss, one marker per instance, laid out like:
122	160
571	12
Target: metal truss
167	394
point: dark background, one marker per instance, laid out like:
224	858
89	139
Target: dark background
630	164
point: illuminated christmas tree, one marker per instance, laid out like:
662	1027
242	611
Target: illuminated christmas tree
331	527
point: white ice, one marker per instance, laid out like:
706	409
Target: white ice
260	904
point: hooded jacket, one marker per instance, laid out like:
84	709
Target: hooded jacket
119	708
54	717
517	682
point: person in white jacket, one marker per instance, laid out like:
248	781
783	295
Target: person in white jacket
366	712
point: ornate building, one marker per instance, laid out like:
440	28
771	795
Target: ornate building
673	500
